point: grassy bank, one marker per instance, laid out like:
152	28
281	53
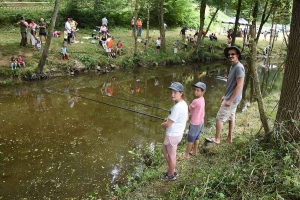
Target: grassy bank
248	168
92	55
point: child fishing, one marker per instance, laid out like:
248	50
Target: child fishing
197	113
174	126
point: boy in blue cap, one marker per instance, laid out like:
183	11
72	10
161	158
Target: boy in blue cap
197	113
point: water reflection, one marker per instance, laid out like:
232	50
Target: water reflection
48	150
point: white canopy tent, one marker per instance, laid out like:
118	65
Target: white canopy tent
242	21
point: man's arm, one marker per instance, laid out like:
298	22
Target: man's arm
238	88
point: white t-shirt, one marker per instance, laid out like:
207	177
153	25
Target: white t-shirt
179	116
158	43
68	27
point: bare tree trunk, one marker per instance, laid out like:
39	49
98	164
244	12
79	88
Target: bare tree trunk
148	19
287	123
263	117
264	18
237	17
202	18
43	59
136	11
248	79
162	27
211	20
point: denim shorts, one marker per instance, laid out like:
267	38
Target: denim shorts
195	132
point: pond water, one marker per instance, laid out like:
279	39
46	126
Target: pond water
56	145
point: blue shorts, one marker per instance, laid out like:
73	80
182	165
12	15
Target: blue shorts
195	132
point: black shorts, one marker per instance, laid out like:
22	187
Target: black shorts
157	47
44	34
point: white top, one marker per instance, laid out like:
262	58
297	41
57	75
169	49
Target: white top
68	27
179	116
104	21
158	43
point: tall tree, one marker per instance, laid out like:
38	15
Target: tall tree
287	122
162	27
43	59
148	23
213	16
252	65
264	19
237	17
136	11
202	18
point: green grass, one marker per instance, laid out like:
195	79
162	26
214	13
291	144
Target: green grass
248	168
90	55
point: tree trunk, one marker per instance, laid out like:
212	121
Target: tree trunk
263	117
202	18
287	122
43	59
264	18
148	19
211	20
162	27
237	17
136	11
248	78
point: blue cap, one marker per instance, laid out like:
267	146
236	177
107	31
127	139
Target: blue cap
176	86
200	85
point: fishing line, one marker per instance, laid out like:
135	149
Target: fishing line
139	103
97	101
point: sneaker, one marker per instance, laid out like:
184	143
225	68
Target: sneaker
170	178
166	173
176	174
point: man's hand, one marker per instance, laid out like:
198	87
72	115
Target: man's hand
228	103
222	99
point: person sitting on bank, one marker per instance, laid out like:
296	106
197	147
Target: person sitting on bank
21	62
13	63
191	39
214	37
102	40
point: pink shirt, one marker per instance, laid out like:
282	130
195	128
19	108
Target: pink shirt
198	111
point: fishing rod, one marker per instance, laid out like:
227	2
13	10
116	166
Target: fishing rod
116	106
139	103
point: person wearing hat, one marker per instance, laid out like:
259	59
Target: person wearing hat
174	126
197	113
232	97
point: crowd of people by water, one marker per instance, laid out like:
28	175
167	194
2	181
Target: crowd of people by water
38	35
